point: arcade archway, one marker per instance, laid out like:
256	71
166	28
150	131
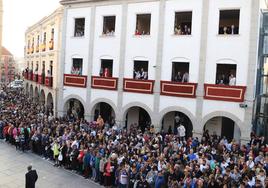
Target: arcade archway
137	117
36	95
172	120
42	98
106	111
50	104
31	92
223	127
74	108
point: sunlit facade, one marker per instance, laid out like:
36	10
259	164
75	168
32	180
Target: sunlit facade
42	50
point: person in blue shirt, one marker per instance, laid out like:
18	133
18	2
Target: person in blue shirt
160	180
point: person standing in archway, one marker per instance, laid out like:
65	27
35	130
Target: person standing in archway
181	133
30	178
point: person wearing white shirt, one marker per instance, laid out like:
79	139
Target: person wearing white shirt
181	132
232	80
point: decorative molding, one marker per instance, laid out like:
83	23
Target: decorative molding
178	89
224	93
138	86
75	80
109	83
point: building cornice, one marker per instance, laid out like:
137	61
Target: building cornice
72	2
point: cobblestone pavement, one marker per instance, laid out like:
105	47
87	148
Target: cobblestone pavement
13	166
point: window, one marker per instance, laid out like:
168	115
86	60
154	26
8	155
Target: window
77	66
45	38
140	70
183	23
36	68
52	34
229	22
226	74
108	25
79	28
180	72
143	24
49	71
106	68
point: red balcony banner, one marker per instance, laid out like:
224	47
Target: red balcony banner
109	83
225	93
138	86
39	79
49	81
178	89
75	80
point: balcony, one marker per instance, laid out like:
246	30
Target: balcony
51	44
30	76
108	83
25	75
43	47
32	50
225	93
75	80
178	89
138	86
41	79
37	49
35	77
49	81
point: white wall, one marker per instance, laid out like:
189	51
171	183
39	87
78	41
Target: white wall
142	47
179	48
77	47
99	93
146	99
107	47
228	48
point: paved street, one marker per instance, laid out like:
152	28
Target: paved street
13	166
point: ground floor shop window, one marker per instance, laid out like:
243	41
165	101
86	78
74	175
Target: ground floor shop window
141	70
226	74
180	72
106	68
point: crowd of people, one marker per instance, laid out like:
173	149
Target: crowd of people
122	158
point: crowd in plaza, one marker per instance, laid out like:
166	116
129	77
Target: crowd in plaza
117	157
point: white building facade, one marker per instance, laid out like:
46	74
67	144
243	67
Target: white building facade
165	63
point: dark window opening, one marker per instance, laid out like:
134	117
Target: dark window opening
106	68
52	34
45	38
77	66
141	70
226	74
38	39
229	22
180	72
79	28
143	24
183	23
108	25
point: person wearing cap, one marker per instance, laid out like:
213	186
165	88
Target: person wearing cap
30	177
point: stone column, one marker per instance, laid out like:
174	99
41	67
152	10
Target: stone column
197	127
88	115
252	68
159	58
119	118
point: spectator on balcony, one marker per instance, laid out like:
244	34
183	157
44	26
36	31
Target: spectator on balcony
142	74
232	80
49	73
178	77
36	71
178	30
185	77
223	80
137	74
77	71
